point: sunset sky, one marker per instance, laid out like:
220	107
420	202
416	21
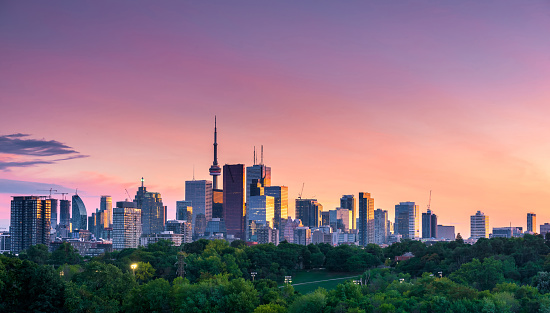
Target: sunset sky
392	98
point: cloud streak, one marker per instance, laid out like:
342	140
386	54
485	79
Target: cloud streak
18	144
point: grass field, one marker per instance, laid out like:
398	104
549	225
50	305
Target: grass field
308	281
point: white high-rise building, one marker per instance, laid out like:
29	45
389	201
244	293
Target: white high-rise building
479	225
407	220
126	225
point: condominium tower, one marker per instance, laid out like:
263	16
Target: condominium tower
366	219
29	222
479	225
407	220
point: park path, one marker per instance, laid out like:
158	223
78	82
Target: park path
320	281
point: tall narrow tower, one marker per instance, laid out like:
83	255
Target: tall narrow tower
215	169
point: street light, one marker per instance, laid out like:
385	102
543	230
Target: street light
440	274
134	266
253	274
357	281
288	280
401	280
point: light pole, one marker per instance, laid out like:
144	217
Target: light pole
253	274
440	274
357	281
133	267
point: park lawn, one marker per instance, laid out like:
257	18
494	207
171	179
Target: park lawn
308	281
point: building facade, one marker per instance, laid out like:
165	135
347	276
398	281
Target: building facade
199	193
429	225
531	222
407	220
184	211
126	225
366	219
234	210
153	212
280	194
79	217
309	212
479	225
348	202
446	232
380	226
29	222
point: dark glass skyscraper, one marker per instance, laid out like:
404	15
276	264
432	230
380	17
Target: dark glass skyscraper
234	210
366	219
199	193
153	212
258	173
280	193
53	221
429	225
407	220
79	218
309	211
29	222
348	202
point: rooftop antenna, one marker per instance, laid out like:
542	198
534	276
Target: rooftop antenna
254	155
76	192
142	182
193	171
262	159
430	201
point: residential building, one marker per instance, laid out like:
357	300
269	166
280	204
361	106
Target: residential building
366	219
79	218
506	232
126	225
429	225
181	227
446	232
29	222
380	226
153	212
531	222
544	228
348	202
302	235
184	211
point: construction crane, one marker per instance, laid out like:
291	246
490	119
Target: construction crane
129	198
301	192
430	201
50	190
62	193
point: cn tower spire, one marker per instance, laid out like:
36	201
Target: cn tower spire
215	169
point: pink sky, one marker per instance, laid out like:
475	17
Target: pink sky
395	99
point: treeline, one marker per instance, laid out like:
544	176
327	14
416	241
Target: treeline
508	275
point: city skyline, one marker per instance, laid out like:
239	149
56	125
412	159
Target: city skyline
126	93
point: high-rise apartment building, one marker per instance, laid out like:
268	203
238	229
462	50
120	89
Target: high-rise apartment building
479	226
29	222
280	194
126	225
54	215
309	212
261	212
348	202
429	225
234	211
106	206
366	219
407	220
153	212
79	218
64	226
199	193
380	226
302	235
446	232
531	222
184	211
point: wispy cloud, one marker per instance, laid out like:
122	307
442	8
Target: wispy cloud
20	144
12	187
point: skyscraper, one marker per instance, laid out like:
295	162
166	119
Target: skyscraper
126	225
79	218
261	212
280	193
199	193
53	222
29	222
106	206
532	222
380	226
153	212
366	219
348	202
234	211
184	211
429	225
64	225
407	220
479	225
260	173
309	212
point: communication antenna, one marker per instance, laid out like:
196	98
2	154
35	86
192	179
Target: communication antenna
262	159
430	201
193	171
254	155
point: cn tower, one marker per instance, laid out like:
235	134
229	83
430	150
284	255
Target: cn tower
215	169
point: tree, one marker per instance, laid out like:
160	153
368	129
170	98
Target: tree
270	308
483	276
65	254
154	296
144	272
459	239
38	254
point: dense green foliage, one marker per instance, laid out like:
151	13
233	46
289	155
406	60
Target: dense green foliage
504	275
